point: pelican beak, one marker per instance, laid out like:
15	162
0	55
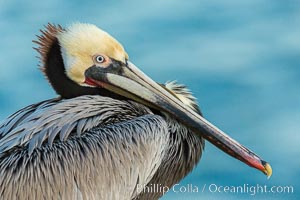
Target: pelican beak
128	81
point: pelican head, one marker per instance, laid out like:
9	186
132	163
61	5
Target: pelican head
83	59
84	46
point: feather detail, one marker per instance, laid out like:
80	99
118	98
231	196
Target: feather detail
183	94
59	119
44	41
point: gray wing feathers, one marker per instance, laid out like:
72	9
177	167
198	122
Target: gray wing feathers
104	163
37	123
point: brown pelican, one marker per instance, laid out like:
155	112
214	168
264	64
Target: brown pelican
111	129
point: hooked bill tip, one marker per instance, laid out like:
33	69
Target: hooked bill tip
268	169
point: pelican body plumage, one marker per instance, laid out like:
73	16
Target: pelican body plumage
110	130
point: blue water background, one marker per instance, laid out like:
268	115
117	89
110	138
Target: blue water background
241	59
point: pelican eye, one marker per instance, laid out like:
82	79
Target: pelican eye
99	59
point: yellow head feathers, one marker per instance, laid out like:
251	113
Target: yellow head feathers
89	39
80	42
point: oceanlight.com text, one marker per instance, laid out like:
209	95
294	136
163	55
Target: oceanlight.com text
215	188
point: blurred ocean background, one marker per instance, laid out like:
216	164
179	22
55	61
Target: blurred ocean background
241	59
